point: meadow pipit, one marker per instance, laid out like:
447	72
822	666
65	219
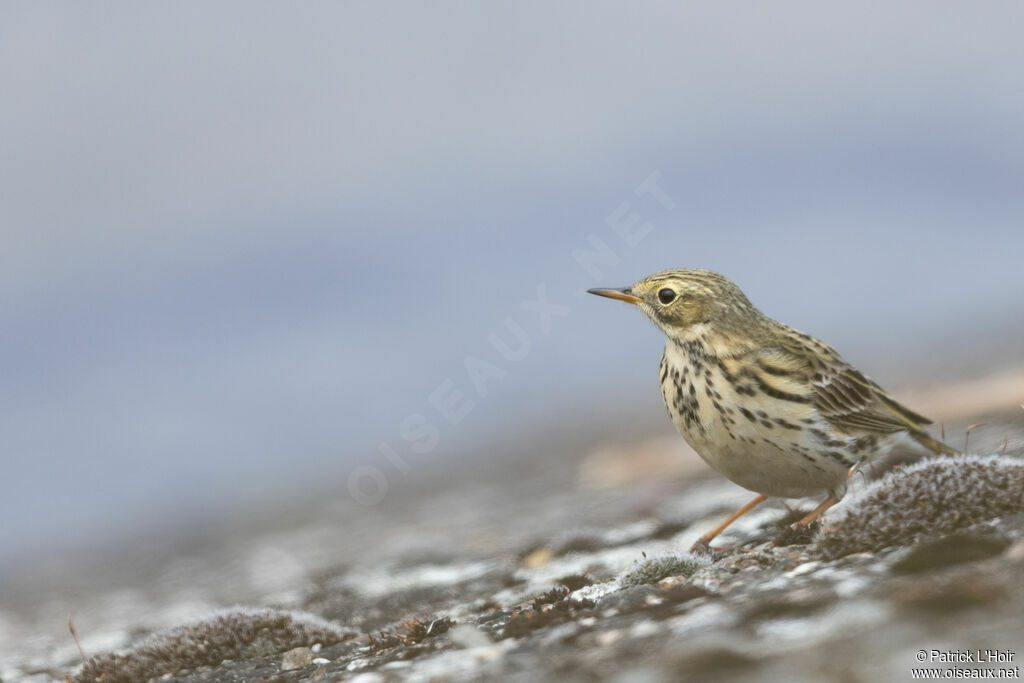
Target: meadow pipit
771	408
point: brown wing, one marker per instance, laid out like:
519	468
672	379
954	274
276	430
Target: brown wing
848	399
839	391
889	401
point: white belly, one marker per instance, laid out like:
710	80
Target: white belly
759	454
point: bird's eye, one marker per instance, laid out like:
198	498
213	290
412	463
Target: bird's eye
666	296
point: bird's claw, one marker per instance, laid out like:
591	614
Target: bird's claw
701	547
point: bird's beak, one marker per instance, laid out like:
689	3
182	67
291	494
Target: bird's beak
622	294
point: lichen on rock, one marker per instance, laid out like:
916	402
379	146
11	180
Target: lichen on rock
237	633
927	500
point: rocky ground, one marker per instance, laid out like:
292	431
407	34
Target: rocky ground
574	572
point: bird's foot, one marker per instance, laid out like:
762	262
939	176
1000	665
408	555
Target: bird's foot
702	547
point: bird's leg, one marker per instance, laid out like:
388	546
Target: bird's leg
704	542
814	514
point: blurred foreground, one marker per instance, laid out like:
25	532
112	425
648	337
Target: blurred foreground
519	569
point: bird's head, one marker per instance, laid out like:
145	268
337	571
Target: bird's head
679	301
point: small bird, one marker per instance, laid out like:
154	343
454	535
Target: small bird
773	409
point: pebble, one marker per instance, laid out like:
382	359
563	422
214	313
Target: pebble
368	677
467	636
538	558
1016	552
297	658
804	568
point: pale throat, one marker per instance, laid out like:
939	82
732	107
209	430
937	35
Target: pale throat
711	341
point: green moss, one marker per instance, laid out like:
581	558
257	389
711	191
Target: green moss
658	568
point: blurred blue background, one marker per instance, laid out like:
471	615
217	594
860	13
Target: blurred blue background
241	244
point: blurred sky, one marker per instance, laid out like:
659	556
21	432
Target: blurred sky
241	243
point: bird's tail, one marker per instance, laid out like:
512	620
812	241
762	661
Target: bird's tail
934	444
